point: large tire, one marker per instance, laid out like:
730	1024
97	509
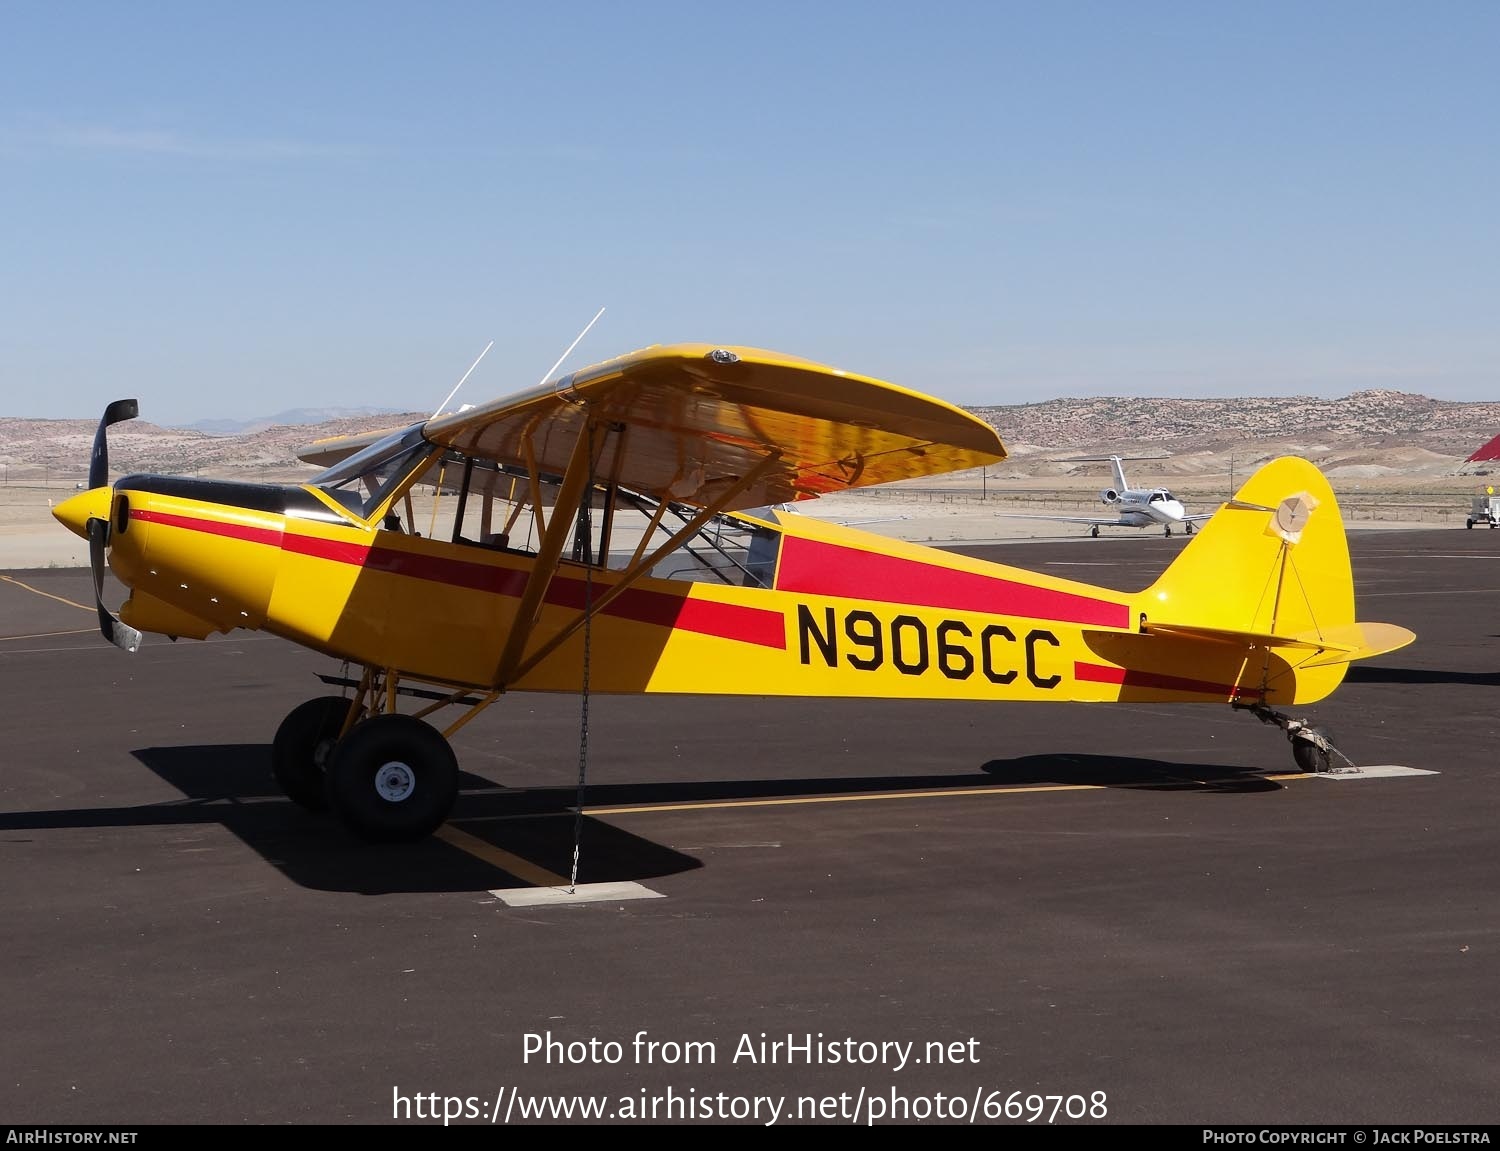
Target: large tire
392	779
303	744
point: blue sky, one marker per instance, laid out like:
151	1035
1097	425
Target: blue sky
229	210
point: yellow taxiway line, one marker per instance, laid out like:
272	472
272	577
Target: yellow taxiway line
538	876
48	594
488	853
709	805
49	634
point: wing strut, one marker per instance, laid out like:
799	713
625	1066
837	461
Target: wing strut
569	496
543	572
641	566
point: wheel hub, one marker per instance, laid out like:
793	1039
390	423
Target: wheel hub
395	782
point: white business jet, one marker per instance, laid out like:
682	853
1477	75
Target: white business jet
1133	507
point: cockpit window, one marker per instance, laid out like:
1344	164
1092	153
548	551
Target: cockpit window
362	481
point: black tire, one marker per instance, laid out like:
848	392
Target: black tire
1309	756
303	744
1188	530
1094	531
1469	524
392	779
1168	532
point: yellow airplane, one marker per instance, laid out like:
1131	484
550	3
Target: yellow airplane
538	585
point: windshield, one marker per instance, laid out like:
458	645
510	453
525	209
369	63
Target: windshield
362	481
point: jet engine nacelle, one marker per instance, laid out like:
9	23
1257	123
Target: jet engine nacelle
1109	496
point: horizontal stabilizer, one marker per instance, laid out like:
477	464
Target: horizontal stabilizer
1334	645
1359	641
1243	638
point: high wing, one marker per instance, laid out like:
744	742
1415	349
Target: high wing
692	421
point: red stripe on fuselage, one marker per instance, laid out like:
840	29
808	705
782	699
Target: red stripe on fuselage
1128	677
254	535
726	621
816	568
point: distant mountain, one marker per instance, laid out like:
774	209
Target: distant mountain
1373	420
295	417
58	450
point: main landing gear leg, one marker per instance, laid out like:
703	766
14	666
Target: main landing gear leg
1094	531
1312	747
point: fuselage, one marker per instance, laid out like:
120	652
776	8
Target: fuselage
822	611
1154	508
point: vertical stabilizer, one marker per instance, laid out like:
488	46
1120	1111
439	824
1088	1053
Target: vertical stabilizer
1272	562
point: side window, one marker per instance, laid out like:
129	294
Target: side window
760	562
490	506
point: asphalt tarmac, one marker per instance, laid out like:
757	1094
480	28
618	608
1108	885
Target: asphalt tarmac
934	908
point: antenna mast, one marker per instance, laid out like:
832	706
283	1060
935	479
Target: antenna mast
460	383
548	375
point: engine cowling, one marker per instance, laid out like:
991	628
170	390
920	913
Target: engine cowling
1109	496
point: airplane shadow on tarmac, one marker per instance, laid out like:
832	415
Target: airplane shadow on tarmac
231	784
1126	772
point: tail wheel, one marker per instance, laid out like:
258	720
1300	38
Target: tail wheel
302	747
1313	755
392	779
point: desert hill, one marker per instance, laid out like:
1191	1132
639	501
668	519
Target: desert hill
1366	435
60	448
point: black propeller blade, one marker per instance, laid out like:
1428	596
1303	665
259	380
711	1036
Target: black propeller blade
120	634
99	461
